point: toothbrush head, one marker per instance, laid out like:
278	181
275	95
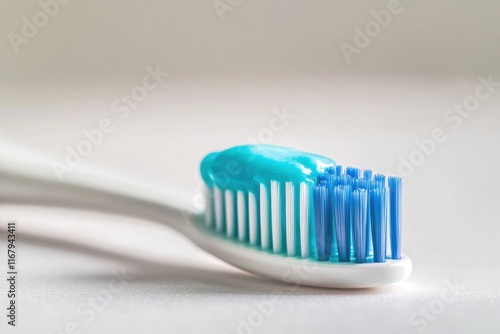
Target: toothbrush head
301	218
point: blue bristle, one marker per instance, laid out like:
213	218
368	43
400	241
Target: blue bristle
380	178
339	180
344	180
379	204
365	184
374	184
342	201
353	172
322	177
360	184
330	170
349	181
330	178
339	170
368	174
323	226
330	219
359	216
395	187
369	246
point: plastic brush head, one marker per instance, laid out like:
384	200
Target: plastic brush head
295	204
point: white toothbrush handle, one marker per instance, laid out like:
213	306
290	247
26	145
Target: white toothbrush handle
27	178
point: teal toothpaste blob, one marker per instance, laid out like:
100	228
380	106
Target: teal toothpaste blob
245	167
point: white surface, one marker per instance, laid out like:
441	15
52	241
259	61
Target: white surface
450	216
226	79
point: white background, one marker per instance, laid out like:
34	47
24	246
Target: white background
226	79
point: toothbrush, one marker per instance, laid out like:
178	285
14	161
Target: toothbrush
272	211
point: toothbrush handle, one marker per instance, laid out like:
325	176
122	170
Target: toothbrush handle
30	179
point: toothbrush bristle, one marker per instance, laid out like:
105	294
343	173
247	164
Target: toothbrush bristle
360	184
323	224
359	214
341	205
380	178
347	215
395	188
353	172
379	204
338	170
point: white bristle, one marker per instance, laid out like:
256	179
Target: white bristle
209	206
242	215
304	220
290	218
276	215
252	218
246	217
230	218
264	217
219	209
